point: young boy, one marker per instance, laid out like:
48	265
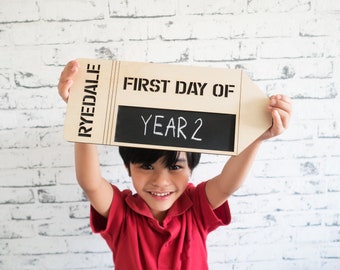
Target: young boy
165	224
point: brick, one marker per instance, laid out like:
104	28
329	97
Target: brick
297	48
277	168
59	55
51	137
70	227
44	246
136	51
5	212
331	6
65	175
9	120
225	50
80	211
262	26
33	79
174	28
16	230
19	11
36	158
307	111
53	10
18	177
332	220
331	199
331	251
318	26
329	129
314	234
167	51
307	88
333	184
315	68
330	168
273	69
54	33
59	261
16	196
118	30
40	118
40	98
310	186
4	84
58	194
278	6
28	138
89	244
142	9
36	212
218	7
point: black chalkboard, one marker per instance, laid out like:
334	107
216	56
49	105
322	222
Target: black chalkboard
177	128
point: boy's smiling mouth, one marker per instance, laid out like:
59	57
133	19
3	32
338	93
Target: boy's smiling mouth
160	194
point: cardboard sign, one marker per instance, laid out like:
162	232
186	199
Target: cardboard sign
165	106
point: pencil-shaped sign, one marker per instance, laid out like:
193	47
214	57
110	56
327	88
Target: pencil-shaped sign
165	106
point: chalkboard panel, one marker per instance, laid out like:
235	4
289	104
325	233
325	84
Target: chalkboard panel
164	127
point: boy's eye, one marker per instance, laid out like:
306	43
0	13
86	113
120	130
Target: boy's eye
146	166
174	167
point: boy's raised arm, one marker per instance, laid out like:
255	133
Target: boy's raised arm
219	188
97	189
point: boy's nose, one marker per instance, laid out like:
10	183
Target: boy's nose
160	179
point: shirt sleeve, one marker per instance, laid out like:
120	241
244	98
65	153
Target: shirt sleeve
115	219
210	218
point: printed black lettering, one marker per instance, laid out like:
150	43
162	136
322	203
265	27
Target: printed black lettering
201	87
89	101
87	111
85	121
165	85
195	88
220	90
144	84
127	81
93	68
180	87
84	132
86	100
154	85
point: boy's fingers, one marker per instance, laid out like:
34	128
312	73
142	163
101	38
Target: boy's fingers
66	79
281	119
280	102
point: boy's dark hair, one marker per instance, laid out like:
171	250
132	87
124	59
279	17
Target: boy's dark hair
142	155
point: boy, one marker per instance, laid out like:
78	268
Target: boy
165	224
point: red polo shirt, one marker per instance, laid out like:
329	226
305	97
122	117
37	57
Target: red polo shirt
139	242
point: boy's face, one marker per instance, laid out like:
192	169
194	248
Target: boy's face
160	186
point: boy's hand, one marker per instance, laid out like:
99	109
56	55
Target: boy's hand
280	107
66	79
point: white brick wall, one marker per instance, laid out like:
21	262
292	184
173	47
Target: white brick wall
286	216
